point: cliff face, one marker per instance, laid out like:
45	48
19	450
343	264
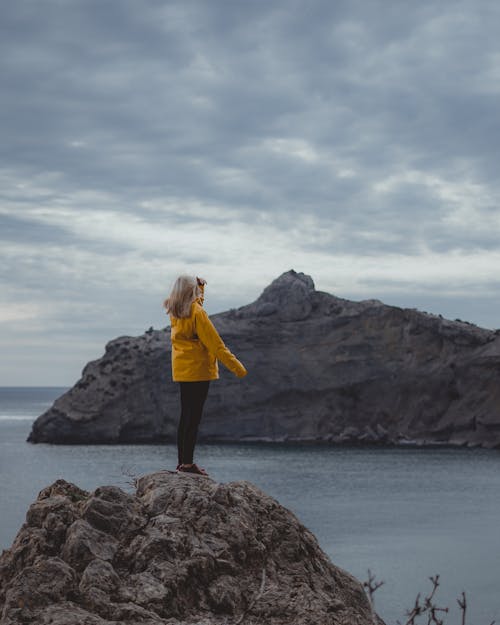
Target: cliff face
181	550
321	368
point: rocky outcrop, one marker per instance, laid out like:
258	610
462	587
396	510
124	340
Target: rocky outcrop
182	550
321	368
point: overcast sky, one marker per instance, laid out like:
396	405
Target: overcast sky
355	141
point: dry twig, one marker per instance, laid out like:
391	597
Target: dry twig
255	597
429	608
371	586
128	471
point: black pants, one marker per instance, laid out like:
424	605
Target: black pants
193	395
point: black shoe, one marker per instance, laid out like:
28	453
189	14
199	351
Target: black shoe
192	469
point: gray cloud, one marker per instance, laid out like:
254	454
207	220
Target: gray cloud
355	141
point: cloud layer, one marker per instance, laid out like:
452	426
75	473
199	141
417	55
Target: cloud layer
354	141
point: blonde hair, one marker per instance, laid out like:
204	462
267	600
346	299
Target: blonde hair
182	295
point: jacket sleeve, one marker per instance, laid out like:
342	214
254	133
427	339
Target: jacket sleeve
210	338
201	297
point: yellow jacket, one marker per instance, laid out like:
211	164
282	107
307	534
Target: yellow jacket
197	346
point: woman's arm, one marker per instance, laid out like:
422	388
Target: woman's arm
201	286
209	336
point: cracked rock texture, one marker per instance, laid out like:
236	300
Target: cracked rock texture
182	550
321	368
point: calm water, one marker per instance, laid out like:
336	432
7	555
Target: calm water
404	513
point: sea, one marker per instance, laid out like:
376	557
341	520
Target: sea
403	514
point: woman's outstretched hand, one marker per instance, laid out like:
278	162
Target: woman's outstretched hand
200	281
242	372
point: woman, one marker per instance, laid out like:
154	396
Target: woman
196	348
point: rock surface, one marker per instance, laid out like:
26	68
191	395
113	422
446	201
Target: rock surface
182	550
321	368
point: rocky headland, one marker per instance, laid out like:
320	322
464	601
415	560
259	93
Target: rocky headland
321	369
181	550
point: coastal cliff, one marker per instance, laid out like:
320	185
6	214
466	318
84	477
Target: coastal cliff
181	550
321	368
